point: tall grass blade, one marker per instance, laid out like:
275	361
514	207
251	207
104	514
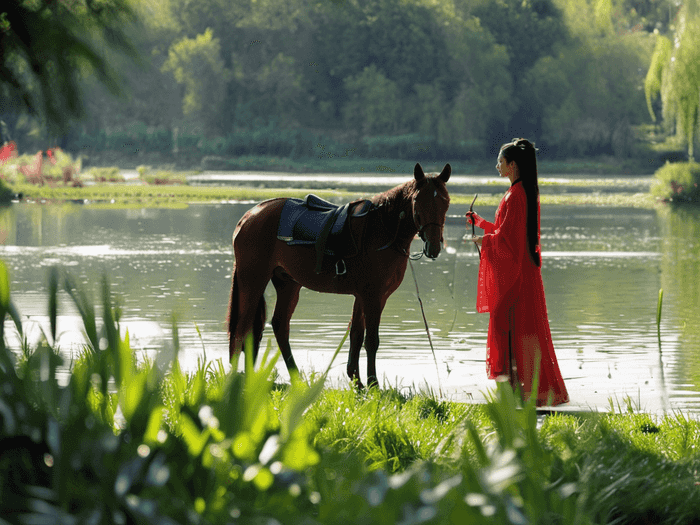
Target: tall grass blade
7	308
201	340
658	315
86	310
53	301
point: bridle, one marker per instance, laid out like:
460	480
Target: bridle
421	233
422	227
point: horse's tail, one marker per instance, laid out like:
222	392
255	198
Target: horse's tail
259	325
233	313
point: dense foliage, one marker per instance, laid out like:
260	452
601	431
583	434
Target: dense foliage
674	76
677	182
113	440
47	49
453	77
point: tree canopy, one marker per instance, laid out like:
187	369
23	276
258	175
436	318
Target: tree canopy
674	74
47	48
566	73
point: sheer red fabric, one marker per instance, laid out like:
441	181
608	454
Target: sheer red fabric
510	289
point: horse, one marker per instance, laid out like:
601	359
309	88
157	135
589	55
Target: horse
383	236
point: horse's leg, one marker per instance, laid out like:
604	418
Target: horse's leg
373	314
357	337
251	313
287	299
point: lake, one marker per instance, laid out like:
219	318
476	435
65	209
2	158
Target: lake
602	268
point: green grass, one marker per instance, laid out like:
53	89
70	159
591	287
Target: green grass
159	195
105	186
143	442
391	430
182	195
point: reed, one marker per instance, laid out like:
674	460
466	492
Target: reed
659	303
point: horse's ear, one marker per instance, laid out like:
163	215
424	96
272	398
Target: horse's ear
418	172
446	172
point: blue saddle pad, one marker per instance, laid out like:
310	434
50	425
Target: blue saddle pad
315	221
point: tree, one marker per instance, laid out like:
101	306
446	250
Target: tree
48	46
674	74
196	64
529	30
374	102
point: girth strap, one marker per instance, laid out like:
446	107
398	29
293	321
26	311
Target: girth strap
325	231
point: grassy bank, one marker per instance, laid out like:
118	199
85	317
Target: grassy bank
338	163
65	180
123	441
182	195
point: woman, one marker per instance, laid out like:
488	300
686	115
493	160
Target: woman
519	345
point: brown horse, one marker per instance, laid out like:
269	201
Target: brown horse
383	237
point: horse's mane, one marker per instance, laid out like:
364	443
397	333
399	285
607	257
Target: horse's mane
400	194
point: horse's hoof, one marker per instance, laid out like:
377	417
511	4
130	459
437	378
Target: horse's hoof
372	382
357	384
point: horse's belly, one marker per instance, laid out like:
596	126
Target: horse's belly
299	264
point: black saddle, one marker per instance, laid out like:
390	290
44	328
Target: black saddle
313	220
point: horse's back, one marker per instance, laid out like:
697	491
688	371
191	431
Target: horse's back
261	217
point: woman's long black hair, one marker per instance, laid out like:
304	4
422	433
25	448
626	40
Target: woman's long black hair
523	152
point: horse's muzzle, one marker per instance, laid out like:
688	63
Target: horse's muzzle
431	250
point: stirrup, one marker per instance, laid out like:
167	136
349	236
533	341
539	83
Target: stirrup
340	268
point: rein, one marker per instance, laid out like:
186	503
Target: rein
427	329
411	256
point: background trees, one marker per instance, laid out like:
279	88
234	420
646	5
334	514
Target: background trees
567	73
674	75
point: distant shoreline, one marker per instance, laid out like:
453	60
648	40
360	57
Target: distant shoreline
583	166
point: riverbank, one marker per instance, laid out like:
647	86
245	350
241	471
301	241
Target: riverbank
251	186
603	165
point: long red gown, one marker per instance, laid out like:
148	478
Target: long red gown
510	288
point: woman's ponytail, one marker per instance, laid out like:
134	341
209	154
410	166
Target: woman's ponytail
524	153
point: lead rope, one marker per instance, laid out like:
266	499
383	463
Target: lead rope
471	209
412	257
427	330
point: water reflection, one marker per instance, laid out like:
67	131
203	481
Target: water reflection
680	279
602	270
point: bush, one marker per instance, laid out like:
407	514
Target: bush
162	177
6	194
111	174
677	182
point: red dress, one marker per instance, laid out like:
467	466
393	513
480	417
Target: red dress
510	288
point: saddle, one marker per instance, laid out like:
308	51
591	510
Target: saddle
314	221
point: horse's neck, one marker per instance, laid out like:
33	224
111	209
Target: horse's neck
397	215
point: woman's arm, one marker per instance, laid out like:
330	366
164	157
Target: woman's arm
479	222
509	239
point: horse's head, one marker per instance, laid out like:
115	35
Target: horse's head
429	203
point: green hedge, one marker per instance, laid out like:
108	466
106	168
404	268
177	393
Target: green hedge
677	182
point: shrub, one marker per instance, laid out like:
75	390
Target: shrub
111	174
163	177
677	182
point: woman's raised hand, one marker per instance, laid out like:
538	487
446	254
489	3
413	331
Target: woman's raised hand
473	218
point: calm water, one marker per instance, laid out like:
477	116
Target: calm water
602	269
